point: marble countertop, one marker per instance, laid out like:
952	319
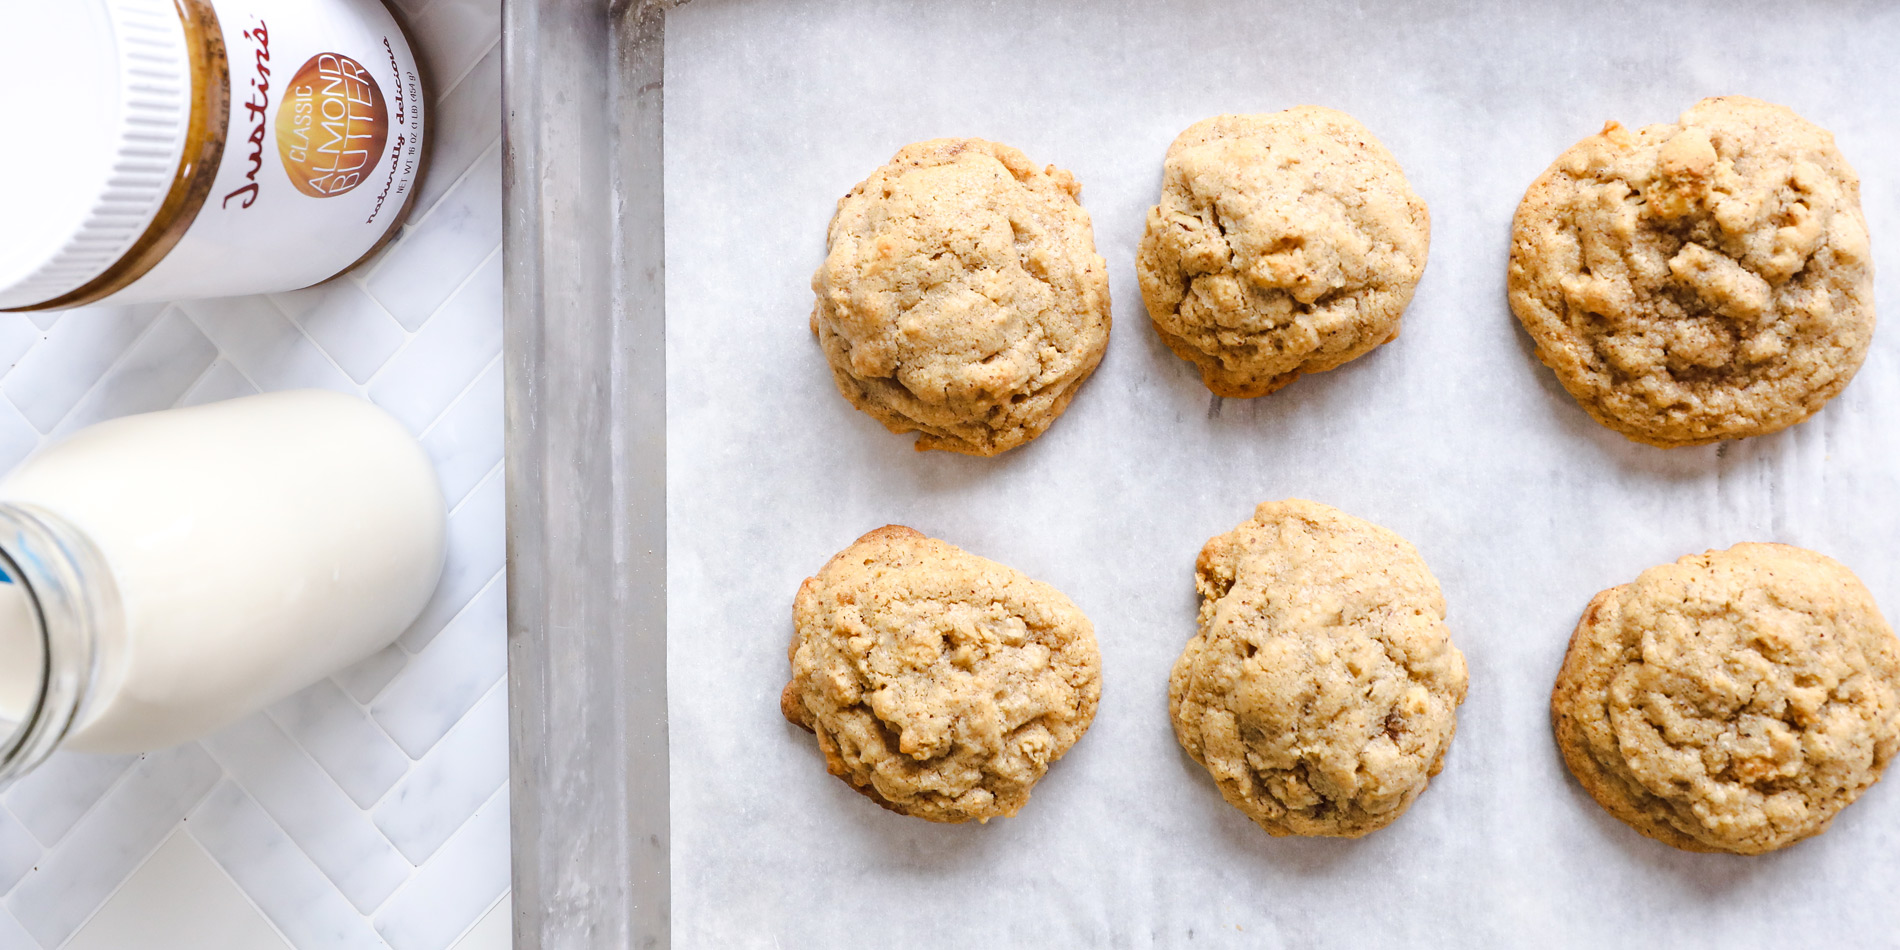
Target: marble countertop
370	810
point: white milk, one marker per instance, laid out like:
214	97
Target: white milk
257	545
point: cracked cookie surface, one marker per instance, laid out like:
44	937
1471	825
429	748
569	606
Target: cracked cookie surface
1699	281
1284	243
939	684
1731	701
961	297
1321	691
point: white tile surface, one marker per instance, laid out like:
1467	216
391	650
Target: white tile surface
154	373
337	733
291	820
51	801
312	809
16	337
278	877
465	444
450	782
74	878
220	382
18	850
469	122
263	344
422	269
495	931
461	339
450	675
365	681
463	881
52	377
17	436
13	936
179	900
453	36
348	324
477	549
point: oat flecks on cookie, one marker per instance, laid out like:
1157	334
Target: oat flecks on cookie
1283	244
1322	689
961	297
1732	701
1699	281
939	684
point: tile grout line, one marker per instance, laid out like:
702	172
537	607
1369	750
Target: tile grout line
375	917
116	888
452	294
368	707
411	225
117	361
494	144
362	389
449	90
495	470
195	383
457	400
117	781
408	766
361	275
477	922
413	763
500	576
242	374
300	750
185	827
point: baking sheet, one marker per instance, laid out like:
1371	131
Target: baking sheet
1453	436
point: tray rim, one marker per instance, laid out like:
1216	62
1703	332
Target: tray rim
583	243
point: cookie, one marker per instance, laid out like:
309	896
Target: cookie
1322	689
940	685
1284	243
1700	281
1732	701
961	297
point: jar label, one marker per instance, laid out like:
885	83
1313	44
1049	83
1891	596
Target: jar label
331	126
323	151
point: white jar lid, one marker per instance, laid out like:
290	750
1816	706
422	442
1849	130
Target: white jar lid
97	111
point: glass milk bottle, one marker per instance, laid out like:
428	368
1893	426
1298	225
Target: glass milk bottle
170	573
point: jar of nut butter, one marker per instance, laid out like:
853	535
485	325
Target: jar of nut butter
169	149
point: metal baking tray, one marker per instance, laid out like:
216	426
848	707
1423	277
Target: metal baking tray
584	291
585	249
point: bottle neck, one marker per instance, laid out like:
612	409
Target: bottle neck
58	609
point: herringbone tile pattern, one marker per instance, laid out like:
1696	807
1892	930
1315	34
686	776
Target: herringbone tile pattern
371	809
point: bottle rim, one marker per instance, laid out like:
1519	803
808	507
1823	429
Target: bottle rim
73	599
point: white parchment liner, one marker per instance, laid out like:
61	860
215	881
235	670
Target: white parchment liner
1452	436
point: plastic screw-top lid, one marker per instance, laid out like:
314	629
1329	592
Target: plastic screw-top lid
95	120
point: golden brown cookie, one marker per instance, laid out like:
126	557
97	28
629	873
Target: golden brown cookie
939	684
1322	689
961	296
1732	701
1283	244
1700	281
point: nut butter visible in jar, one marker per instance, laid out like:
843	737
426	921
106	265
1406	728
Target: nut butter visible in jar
171	149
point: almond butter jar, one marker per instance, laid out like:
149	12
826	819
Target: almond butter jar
171	149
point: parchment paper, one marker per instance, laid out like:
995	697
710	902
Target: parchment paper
1452	436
